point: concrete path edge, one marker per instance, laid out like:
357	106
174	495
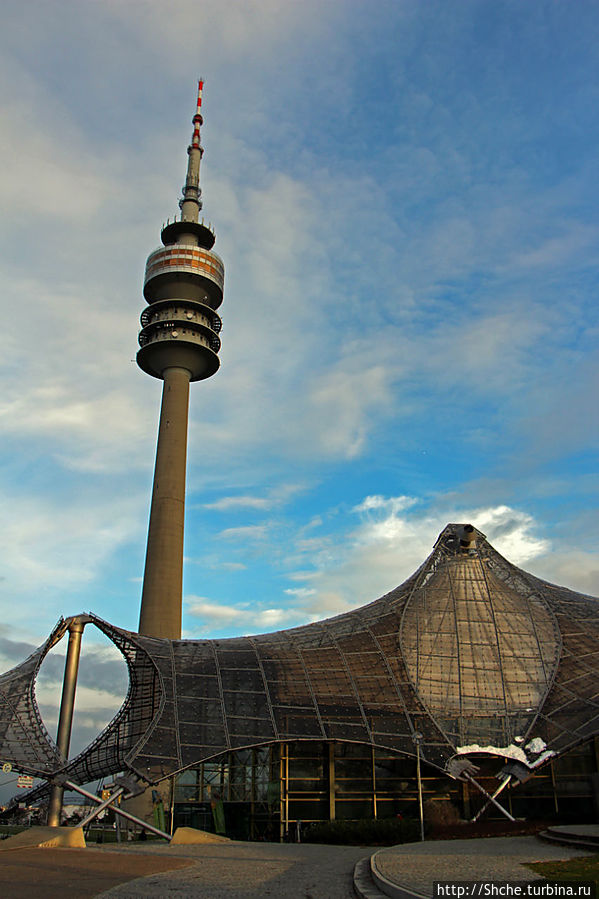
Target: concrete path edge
387	887
364	886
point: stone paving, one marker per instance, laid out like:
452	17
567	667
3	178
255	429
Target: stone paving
258	870
416	866
249	871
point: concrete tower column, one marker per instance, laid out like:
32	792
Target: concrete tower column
163	577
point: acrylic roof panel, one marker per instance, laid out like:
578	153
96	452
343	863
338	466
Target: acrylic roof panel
471	651
474	648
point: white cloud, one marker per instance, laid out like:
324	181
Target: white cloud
390	504
68	381
211	611
73	185
274	617
342	403
252	532
555	251
88	431
391	541
511	533
276	496
232	32
102	684
55	547
226	503
569	567
246	619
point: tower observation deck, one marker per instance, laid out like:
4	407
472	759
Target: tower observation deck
179	342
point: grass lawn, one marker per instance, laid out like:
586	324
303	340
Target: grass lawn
584	868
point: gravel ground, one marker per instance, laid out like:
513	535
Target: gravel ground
417	865
251	871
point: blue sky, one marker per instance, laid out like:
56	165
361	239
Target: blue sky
404	196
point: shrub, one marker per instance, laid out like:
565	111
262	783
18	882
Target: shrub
441	813
366	832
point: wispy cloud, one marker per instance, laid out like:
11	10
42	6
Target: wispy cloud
351	566
276	496
251	532
209	618
392	539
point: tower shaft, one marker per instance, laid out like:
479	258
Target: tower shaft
179	343
163	576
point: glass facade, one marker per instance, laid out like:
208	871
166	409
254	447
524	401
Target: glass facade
240	789
265	792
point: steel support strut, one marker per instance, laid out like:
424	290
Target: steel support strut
67	704
492	798
119	811
104	803
489	797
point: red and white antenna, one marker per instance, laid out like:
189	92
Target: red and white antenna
197	119
191	202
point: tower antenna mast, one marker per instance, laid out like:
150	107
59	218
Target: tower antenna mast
191	202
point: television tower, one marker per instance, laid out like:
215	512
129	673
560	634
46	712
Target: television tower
179	342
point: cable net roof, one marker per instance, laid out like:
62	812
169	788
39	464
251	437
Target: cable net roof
480	659
471	652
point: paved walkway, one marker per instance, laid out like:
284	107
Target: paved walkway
259	870
414	867
250	871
